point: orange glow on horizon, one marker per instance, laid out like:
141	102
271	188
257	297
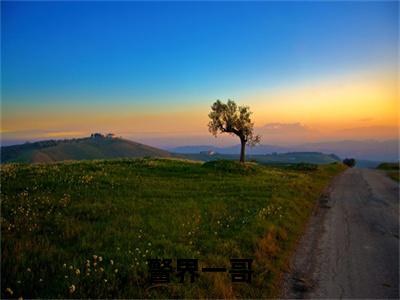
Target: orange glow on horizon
325	107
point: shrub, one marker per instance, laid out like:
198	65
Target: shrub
230	166
304	167
351	162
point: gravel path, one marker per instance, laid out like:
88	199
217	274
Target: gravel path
351	246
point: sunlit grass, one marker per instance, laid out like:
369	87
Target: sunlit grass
86	229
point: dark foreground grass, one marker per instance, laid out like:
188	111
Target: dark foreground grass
392	170
85	229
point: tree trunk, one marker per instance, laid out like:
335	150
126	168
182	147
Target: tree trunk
242	150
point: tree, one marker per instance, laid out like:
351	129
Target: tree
235	120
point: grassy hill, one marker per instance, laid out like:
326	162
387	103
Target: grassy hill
86	228
78	149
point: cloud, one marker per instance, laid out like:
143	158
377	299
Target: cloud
279	128
286	133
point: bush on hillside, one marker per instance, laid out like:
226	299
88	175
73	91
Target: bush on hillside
230	166
351	162
304	167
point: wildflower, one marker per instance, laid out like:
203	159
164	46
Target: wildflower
116	270
101	270
111	261
105	280
100	258
72	289
71	267
29	270
94	257
10	291
149	244
40	280
77	271
95	264
66	276
64	265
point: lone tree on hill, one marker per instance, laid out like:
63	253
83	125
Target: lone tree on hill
234	120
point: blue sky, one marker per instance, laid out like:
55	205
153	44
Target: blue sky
159	56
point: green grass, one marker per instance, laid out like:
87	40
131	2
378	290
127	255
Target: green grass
56	217
392	170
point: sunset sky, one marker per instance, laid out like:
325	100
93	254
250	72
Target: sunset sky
310	71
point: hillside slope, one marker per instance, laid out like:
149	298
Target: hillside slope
78	149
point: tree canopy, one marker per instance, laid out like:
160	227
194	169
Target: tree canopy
235	120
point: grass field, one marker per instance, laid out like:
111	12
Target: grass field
85	229
392	169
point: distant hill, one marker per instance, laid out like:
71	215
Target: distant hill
297	157
276	158
366	150
95	147
259	149
362	150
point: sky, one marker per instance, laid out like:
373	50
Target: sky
149	71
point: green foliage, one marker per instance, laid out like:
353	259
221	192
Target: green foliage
392	170
388	166
303	167
235	120
231	166
351	162
59	219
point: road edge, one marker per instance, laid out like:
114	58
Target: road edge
297	281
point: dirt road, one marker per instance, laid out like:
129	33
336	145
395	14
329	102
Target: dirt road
351	247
